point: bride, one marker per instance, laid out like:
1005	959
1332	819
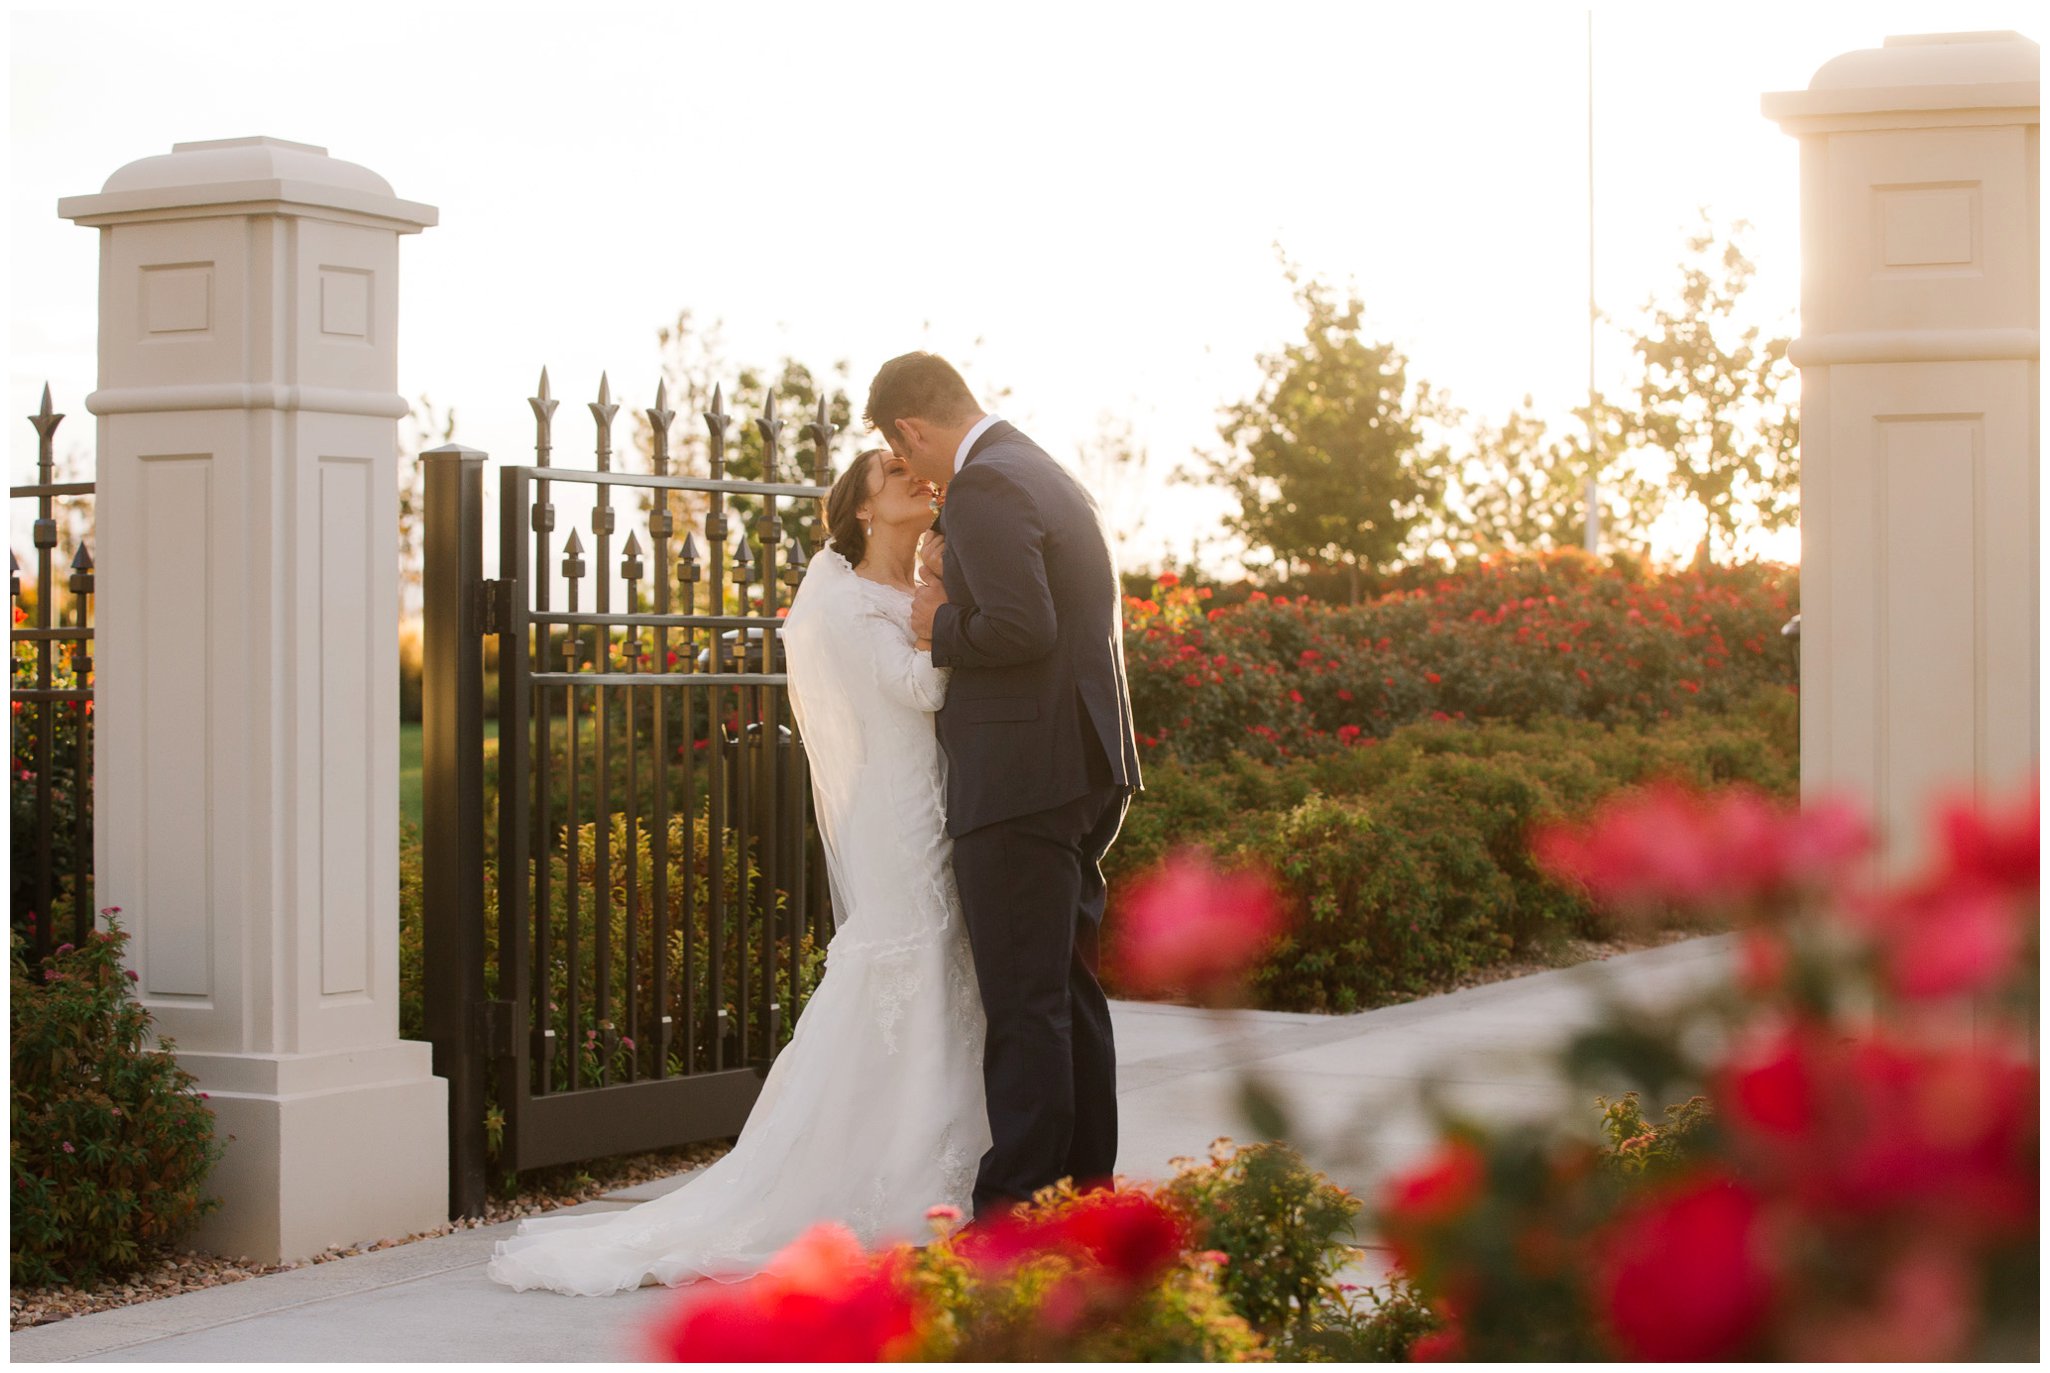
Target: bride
874	1112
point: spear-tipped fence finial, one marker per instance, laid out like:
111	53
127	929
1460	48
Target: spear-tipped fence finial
573	556
771	430
716	420
687	561
820	431
46	421
630	561
602	410
660	417
544	421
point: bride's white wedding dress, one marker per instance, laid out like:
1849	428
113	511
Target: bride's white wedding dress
873	1113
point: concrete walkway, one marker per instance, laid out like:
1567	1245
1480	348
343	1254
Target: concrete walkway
1348	1084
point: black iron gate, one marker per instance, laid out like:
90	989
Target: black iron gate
660	899
50	690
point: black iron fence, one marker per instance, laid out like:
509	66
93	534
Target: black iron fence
50	691
625	908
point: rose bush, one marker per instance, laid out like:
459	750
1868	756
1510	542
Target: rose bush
1855	1172
1235	1258
1556	634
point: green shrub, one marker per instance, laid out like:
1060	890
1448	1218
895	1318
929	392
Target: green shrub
1405	864
1285	1231
1383	1328
1656	1148
110	1145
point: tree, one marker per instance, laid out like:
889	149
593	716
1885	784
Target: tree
1718	398
1524	488
1329	461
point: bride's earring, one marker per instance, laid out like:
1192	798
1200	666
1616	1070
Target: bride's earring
871	529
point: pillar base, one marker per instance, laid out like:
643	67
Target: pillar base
329	1149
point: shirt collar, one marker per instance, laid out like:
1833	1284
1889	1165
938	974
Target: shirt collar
981	427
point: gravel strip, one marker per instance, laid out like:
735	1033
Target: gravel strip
544	1190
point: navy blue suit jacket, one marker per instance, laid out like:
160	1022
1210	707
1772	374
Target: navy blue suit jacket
1034	631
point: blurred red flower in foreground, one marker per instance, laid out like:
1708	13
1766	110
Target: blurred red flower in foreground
1682	1275
1942	936
1999	846
1438	1189
1871	1125
1860	1181
1959	926
822	1301
1666	844
1440	1346
1129	1238
1188	926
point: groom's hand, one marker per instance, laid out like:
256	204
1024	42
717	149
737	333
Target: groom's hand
932	556
925	604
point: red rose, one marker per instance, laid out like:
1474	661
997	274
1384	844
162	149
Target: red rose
1440	1346
821	1301
1128	1235
1681	1274
1945	935
2001	846
1762	960
1872	1125
1189	926
1666	844
1439	1189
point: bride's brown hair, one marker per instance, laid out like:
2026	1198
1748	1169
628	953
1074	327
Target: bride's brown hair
842	523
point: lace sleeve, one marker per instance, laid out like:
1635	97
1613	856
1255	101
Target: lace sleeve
902	671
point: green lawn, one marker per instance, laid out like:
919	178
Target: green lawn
409	766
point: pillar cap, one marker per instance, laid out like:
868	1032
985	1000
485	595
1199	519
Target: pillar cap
1918	79
249	175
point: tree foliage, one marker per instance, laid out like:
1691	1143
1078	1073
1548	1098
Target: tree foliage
1717	396
1524	486
1329	462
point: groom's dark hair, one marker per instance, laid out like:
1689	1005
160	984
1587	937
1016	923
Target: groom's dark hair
917	386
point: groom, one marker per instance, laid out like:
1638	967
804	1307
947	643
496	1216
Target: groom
1041	762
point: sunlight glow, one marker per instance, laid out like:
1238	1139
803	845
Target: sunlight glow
1078	203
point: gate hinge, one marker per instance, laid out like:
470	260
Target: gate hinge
495	1028
494	605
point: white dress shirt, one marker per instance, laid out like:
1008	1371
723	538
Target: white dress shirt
961	453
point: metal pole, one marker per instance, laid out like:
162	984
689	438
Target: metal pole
1594	463
452	804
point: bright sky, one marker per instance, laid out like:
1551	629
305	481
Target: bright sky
1091	191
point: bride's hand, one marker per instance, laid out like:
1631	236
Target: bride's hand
932	553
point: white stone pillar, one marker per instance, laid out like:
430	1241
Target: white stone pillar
1919	444
246	758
